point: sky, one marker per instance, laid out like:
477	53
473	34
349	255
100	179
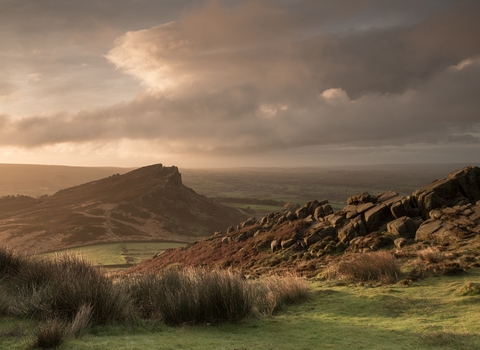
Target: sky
234	83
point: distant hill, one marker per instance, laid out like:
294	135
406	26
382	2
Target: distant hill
36	180
149	203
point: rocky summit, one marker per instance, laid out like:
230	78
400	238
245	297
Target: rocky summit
444	214
149	203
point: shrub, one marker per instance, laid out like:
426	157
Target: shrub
378	266
49	334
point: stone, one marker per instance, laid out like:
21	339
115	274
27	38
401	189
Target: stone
337	220
376	216
468	180
302	212
312	239
361	198
290	216
275	245
400	242
403	227
347	232
248	222
389	197
427	229
362	208
287	243
327	209
398	210
319	213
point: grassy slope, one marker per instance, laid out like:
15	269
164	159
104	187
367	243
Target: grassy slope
428	315
119	252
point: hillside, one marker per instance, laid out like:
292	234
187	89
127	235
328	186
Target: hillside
36	180
443	215
150	203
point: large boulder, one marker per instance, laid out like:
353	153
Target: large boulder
377	216
404	227
468	180
460	188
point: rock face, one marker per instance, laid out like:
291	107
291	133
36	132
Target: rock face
149	203
460	188
441	212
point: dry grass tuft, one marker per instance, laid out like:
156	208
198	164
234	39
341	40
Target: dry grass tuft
431	255
469	289
375	266
49	335
274	293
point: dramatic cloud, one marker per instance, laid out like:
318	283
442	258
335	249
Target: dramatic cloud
247	77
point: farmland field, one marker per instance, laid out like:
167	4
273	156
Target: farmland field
120	253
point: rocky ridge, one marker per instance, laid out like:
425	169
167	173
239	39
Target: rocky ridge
444	213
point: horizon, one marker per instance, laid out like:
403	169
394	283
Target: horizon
239	84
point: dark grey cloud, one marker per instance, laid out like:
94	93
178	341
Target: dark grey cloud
248	77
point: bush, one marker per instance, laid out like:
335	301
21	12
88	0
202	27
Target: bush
378	266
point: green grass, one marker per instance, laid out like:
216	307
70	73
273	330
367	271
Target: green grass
119	253
430	314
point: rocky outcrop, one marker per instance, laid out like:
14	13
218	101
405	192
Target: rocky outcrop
370	222
460	188
442	212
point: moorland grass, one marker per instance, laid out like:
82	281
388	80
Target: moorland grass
427	315
373	266
67	295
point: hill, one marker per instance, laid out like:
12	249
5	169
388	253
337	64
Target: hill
443	216
149	203
36	180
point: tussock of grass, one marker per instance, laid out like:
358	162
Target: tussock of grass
451	339
49	335
191	296
431	255
375	266
469	289
60	288
274	293
10	262
81	322
68	295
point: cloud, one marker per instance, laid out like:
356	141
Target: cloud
261	76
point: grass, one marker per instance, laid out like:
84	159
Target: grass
374	266
67	296
428	315
120	253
